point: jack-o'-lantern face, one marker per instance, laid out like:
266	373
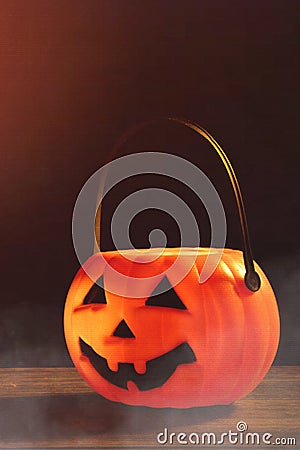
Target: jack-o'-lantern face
189	345
147	372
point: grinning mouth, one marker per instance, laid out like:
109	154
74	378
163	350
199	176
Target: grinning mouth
158	370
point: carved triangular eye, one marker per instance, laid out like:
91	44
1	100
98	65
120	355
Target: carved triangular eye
168	298
96	294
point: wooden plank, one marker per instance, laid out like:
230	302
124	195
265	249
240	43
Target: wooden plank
28	382
54	408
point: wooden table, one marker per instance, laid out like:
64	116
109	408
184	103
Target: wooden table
53	408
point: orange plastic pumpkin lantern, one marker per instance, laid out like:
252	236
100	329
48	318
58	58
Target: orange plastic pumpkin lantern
179	344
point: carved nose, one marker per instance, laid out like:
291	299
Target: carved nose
123	330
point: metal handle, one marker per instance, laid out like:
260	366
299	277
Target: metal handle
251	278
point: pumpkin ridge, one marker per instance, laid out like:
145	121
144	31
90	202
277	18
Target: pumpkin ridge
234	391
264	350
273	316
205	334
219	348
239	322
248	382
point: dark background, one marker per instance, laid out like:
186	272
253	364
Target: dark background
74	75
